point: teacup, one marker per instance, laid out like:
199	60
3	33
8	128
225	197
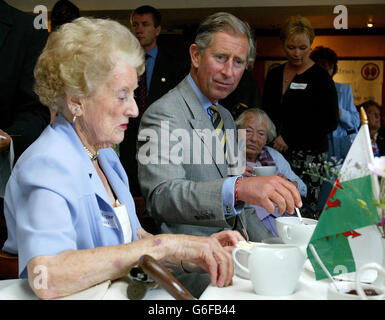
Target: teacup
348	291
264	171
377	285
274	269
243	257
357	290
291	231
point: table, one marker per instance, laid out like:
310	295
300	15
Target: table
307	289
19	289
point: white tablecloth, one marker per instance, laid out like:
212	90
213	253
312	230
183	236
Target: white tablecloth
19	289
307	289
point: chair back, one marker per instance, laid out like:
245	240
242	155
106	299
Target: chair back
9	266
148	223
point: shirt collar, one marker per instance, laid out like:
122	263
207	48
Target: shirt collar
153	52
205	102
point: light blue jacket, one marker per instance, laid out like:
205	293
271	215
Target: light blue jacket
340	141
55	200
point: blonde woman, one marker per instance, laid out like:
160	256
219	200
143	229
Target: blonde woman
301	99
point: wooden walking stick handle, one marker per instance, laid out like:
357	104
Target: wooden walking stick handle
164	278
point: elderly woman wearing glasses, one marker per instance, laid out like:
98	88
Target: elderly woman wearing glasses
260	130
67	204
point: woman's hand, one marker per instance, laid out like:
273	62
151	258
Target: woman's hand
207	253
280	144
228	239
4	142
248	172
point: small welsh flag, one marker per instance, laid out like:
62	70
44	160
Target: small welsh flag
348	222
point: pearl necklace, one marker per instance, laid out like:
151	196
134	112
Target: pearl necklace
92	156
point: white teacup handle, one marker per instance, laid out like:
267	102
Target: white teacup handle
286	229
371	266
244	269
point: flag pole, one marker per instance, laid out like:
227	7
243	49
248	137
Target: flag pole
364	123
316	256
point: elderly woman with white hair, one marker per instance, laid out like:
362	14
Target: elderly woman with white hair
68	205
260	130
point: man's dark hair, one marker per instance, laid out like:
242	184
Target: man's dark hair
325	56
63	11
148	9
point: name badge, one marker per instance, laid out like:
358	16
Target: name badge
298	86
108	220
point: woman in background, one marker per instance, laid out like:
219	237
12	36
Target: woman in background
377	131
259	131
301	99
342	138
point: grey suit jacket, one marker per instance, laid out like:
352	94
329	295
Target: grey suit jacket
182	179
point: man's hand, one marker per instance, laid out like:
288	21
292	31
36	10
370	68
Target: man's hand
265	191
4	142
284	177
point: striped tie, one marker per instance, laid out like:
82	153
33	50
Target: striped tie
218	126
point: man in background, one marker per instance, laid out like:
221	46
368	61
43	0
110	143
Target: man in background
164	70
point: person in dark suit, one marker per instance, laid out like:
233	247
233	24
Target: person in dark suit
23	117
164	70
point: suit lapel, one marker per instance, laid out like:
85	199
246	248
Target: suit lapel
98	187
161	78
115	181
199	121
